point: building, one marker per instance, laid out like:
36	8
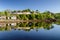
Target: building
13	17
20	12
2	17
10	17
26	13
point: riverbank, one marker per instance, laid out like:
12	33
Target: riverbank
9	21
47	20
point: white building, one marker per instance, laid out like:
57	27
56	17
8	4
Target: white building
21	13
2	17
26	13
13	17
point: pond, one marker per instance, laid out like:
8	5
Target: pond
30	31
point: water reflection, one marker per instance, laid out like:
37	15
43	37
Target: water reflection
26	26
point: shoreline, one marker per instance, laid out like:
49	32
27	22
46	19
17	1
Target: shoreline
3	21
10	21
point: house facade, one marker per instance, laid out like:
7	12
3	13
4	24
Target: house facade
10	17
13	17
2	17
20	12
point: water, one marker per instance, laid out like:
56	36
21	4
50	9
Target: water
30	31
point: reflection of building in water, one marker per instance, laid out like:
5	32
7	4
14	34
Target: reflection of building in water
23	28
11	24
7	24
2	24
26	26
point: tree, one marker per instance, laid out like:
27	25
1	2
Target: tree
2	13
37	11
57	16
7	14
18	11
26	10
48	14
23	17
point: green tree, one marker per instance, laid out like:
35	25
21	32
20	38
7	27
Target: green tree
26	10
7	14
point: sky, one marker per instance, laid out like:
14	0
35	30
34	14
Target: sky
41	5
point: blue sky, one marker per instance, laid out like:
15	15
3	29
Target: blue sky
41	5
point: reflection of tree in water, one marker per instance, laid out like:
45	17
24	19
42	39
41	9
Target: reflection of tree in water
47	26
58	23
27	26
